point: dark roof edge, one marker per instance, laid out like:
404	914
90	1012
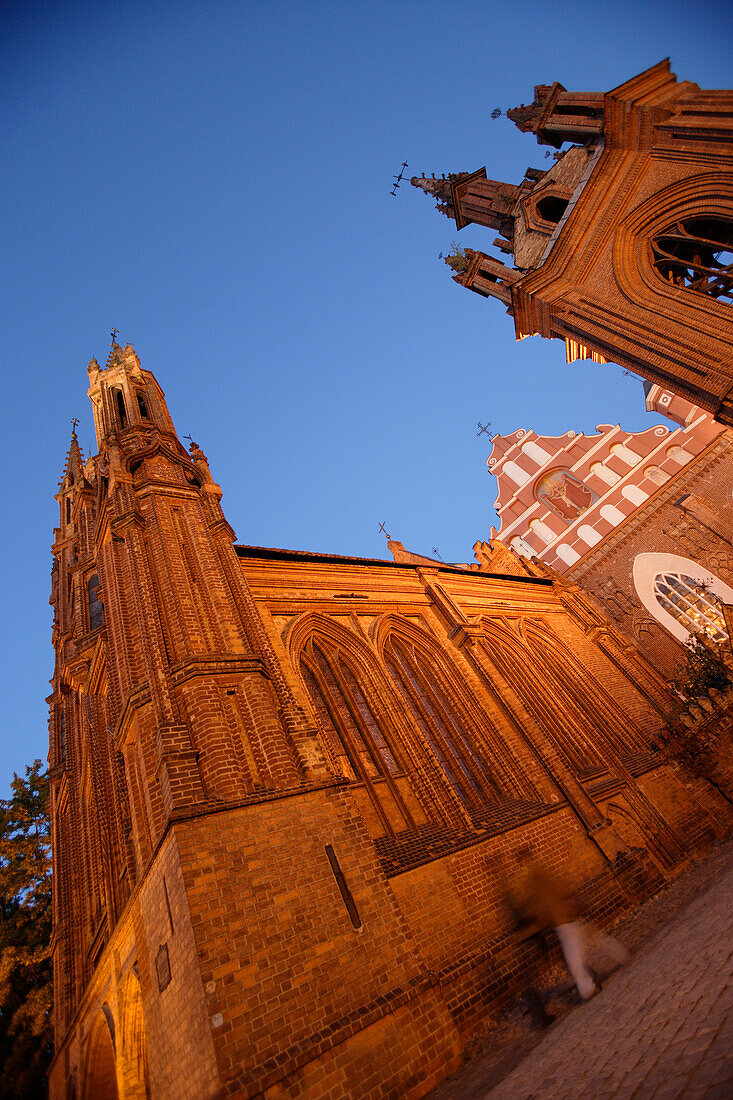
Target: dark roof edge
276	554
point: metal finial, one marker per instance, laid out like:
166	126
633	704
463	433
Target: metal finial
383	529
483	429
113	334
398	179
74	422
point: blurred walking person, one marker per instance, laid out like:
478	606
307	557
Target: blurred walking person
542	901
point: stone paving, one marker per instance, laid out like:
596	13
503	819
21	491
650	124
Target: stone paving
661	1028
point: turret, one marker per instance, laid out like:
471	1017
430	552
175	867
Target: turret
125	397
471	197
556	115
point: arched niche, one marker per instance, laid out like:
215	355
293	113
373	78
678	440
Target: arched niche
134	1042
100	1079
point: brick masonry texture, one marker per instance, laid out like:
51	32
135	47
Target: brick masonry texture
279	782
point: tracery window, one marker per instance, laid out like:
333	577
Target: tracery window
697	253
361	745
358	745
448	733
692	604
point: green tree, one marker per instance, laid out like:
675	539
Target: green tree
697	748
459	258
26	1042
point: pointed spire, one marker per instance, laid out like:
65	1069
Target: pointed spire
74	467
439	189
115	352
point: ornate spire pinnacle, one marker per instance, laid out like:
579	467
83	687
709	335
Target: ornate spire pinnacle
440	189
115	351
74	467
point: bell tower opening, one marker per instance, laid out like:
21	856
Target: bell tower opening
120	407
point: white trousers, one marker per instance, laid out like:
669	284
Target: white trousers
575	941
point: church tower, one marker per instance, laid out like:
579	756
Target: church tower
187	786
623	248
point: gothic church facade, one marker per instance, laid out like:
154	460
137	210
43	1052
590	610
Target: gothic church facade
278	780
623	249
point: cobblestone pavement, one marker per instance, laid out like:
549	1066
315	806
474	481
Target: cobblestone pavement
661	1028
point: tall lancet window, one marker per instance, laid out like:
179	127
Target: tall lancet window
448	733
360	745
96	610
120	408
355	739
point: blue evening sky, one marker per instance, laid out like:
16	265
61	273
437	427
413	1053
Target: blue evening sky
213	180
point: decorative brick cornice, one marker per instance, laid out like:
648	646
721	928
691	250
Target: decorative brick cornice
215	664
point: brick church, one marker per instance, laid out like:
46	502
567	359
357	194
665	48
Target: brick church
280	779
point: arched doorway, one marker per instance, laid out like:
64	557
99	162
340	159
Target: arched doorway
100	1080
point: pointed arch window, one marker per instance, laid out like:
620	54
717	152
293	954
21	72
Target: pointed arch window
697	253
120	408
96	608
692	603
436	713
142	406
355	738
360	746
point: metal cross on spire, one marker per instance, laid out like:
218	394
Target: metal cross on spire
113	334
383	529
483	429
398	179
74	422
